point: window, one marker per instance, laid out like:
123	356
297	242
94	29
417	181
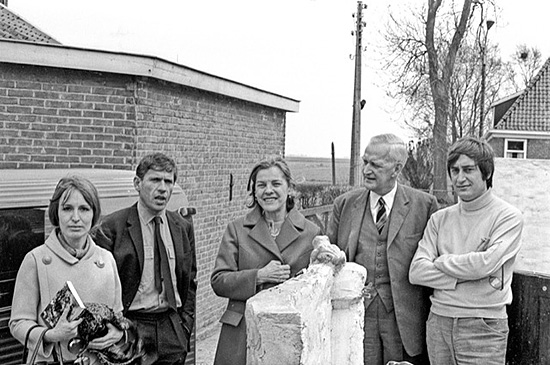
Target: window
515	148
21	230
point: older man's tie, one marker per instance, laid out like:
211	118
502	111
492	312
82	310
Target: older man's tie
381	217
162	266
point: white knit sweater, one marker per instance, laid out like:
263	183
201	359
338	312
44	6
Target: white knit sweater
446	259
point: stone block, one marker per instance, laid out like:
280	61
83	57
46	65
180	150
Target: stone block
290	323
348	315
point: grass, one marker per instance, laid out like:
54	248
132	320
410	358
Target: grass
318	170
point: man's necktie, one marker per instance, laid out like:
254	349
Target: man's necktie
381	216
162	267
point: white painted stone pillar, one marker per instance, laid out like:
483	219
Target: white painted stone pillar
291	323
348	315
315	318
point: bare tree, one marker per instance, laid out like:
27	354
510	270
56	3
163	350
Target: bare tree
406	65
444	93
465	88
526	61
425	55
441	67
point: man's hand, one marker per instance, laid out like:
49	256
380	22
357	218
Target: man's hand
274	272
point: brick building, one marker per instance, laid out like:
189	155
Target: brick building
521	125
65	107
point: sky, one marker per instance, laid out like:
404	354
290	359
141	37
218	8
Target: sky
296	48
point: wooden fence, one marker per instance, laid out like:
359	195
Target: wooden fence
529	320
319	215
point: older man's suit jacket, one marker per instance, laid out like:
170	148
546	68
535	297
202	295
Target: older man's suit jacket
120	233
408	217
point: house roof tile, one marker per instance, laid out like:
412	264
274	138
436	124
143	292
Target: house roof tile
531	110
12	26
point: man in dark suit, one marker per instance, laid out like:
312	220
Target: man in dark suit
155	254
382	235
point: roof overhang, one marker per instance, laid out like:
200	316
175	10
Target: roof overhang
507	98
21	188
506	133
48	55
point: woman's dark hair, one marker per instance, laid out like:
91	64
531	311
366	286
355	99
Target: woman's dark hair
478	150
281	164
156	161
62	192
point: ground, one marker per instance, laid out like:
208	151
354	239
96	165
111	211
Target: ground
206	347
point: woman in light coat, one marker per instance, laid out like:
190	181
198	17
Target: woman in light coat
267	246
69	254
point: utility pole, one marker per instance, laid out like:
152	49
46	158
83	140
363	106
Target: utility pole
333	164
483	46
355	157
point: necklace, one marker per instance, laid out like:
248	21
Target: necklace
274	227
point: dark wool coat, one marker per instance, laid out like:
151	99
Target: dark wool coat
120	233
246	247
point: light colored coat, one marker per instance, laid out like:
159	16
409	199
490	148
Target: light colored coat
408	217
44	271
246	247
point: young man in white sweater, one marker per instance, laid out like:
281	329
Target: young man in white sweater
467	256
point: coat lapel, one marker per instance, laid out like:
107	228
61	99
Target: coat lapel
290	231
399	211
177	238
260	233
134	229
357	212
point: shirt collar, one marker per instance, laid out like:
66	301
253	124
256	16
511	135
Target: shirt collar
146	216
388	198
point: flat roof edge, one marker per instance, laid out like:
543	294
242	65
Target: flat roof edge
511	133
25	188
48	55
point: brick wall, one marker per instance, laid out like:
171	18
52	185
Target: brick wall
58	118
52	118
538	149
498	146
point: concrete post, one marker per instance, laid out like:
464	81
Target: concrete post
316	318
290	323
348	315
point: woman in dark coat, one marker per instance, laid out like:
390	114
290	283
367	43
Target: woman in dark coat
264	248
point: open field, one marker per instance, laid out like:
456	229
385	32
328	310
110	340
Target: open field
318	169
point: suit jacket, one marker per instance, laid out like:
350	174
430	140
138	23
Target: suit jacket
120	233
246	247
408	217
